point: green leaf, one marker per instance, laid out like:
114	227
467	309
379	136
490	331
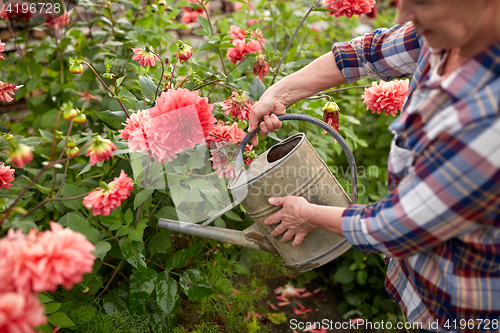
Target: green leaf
71	191
204	24
197	160
82	226
60	319
83	314
148	87
113	43
50	308
167	292
256	88
344	275
361	277
44	298
183	257
160	242
195	284
137	232
46	135
113	119
233	216
120	80
129	216
142	196
85	169
134	253
142	285
277	318
101	248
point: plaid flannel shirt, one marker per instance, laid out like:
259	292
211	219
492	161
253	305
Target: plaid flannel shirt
440	222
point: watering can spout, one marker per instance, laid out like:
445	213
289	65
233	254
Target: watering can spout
250	237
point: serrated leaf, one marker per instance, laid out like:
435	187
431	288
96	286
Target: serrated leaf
60	319
83	314
195	284
204	24
129	216
148	87
101	249
137	232
142	196
197	160
134	253
82	226
113	119
183	257
167	292
142	285
44	298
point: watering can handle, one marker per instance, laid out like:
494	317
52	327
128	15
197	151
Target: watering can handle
323	125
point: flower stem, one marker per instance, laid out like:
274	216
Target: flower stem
173	71
321	94
213	34
291	40
161	77
104	84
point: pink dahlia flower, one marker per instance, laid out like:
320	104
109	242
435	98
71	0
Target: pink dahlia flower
41	261
261	67
221	160
237	32
6	176
60	256
135	131
20	313
388	96
100	150
172	132
20	156
348	7
2	48
238	105
144	56
190	15
103	201
7	89
175	99
231	134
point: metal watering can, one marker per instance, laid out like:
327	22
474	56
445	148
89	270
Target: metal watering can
291	167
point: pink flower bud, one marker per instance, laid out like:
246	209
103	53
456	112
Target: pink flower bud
20	156
72	152
261	66
100	150
185	52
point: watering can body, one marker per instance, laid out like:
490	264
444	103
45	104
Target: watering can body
290	168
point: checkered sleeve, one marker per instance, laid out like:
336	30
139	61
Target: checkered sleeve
452	189
385	53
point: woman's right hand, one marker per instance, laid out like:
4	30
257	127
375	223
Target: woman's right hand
268	108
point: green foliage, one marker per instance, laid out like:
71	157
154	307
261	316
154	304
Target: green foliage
144	278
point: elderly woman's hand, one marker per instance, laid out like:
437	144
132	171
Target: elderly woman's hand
267	109
293	217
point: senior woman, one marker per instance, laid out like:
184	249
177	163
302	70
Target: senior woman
440	222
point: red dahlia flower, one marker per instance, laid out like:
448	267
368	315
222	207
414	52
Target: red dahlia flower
348	7
2	48
238	105
261	67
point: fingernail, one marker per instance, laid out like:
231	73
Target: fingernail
271	200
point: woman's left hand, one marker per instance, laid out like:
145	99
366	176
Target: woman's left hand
293	217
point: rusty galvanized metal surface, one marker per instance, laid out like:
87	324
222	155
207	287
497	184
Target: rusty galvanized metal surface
293	167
